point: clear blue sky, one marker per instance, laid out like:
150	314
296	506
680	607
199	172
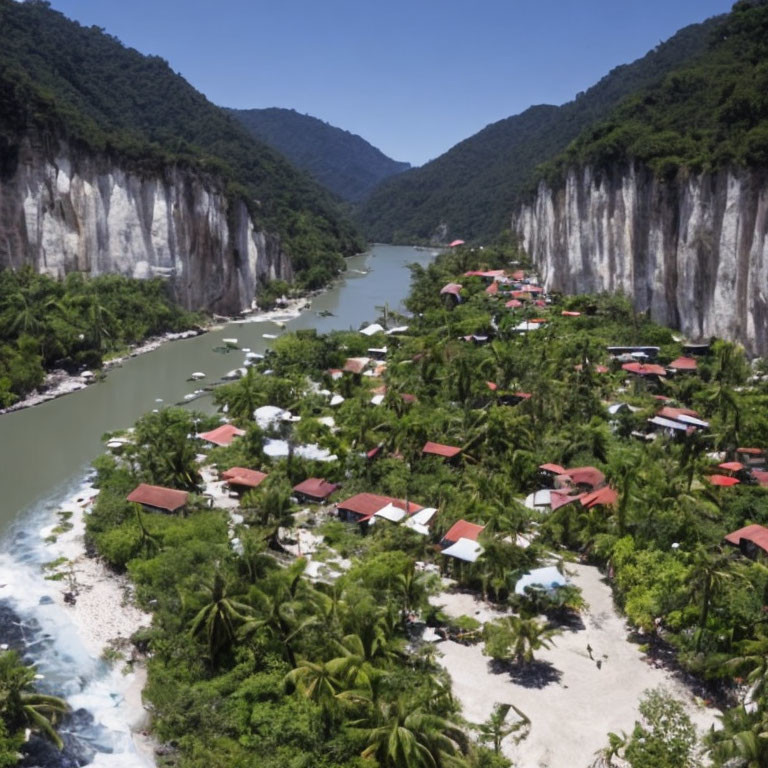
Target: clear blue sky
413	77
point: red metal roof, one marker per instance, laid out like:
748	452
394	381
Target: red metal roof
722	480
315	488
684	364
355	364
462	530
249	478
559	499
750	451
367	504
453	288
645	369
438	449
513	304
522	395
485	273
455	243
223	435
493	288
604	496
566	313
521	294
373	453
731	466
556	468
586	476
158	497
492	385
757	534
667	412
761	476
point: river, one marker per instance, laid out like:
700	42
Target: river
45	452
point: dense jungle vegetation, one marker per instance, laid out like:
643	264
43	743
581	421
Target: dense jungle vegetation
252	662
473	187
339	160
72	324
60	81
707	115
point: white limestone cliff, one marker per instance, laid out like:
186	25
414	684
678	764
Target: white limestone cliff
693	252
64	210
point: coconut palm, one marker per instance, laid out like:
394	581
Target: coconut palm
317	682
21	706
517	638
408	737
496	728
218	619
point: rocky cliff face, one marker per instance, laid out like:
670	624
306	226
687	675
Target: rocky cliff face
62	211
694	252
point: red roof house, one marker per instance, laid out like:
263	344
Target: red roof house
731	466
157	497
453	289
683	364
555	469
644	369
749	538
461	530
315	489
223	435
513	304
492	289
438	449
603	496
355	364
243	478
723	480
364	506
589	476
566	313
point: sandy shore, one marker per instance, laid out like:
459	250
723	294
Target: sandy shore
58	383
572	713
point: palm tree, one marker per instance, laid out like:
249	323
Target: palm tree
740	741
21	706
709	573
517	638
218	619
405	737
317	682
496	728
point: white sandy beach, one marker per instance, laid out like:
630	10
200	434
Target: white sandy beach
572	716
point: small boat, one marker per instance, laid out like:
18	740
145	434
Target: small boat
269	335
196	376
326	313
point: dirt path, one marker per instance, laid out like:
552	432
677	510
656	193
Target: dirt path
574	703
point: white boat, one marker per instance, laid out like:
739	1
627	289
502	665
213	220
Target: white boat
197	375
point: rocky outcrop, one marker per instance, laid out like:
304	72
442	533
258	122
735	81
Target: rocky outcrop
693	252
62	210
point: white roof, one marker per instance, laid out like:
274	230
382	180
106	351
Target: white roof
540	498
336	400
399	329
548	578
328	421
660	421
692	420
269	414
422	517
372	329
464	549
524	326
391	512
377	399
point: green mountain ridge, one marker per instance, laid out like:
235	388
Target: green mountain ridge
472	189
77	84
340	161
707	115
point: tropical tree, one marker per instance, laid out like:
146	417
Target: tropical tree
496	728
515	637
21	706
408	737
219	618
316	681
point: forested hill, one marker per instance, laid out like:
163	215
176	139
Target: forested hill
707	115
66	82
339	160
473	187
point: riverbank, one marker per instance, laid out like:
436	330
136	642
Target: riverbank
59	383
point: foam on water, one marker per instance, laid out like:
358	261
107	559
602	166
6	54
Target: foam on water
99	730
